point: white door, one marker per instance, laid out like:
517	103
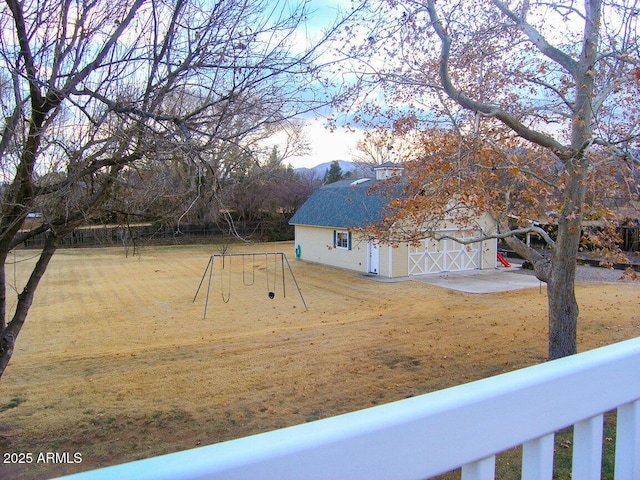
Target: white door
373	257
445	255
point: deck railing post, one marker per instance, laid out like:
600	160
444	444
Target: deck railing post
480	470
627	466
537	458
587	448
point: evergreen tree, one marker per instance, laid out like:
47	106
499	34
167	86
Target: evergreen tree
334	173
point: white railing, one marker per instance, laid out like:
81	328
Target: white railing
464	426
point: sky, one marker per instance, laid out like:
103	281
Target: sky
341	144
325	146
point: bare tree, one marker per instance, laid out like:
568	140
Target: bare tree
268	189
540	100
381	145
95	92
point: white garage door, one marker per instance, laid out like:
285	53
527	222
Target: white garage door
445	255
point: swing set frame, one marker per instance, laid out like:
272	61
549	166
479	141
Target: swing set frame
247	279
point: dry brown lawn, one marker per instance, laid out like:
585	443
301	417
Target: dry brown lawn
116	362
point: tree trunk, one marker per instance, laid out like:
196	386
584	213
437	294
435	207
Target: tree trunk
559	275
563	306
25	299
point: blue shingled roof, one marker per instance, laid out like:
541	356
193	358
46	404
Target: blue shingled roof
343	204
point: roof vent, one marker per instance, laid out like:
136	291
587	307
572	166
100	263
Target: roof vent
359	181
388	169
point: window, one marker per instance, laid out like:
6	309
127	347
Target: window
342	239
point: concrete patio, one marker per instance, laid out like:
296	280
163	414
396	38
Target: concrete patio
482	281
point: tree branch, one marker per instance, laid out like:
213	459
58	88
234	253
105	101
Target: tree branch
505	117
538	39
480	238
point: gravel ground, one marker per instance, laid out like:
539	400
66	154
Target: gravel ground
586	273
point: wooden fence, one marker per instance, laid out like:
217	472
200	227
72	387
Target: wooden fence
118	235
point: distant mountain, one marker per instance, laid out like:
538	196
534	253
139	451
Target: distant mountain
318	171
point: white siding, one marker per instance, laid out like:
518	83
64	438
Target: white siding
316	245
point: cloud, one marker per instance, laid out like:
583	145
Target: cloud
325	145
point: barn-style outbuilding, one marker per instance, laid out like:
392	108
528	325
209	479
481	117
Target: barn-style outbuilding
328	230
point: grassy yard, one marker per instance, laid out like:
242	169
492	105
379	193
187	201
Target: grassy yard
116	362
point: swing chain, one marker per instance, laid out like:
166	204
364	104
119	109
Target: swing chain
245	276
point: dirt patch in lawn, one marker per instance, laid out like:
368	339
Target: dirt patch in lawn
116	363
